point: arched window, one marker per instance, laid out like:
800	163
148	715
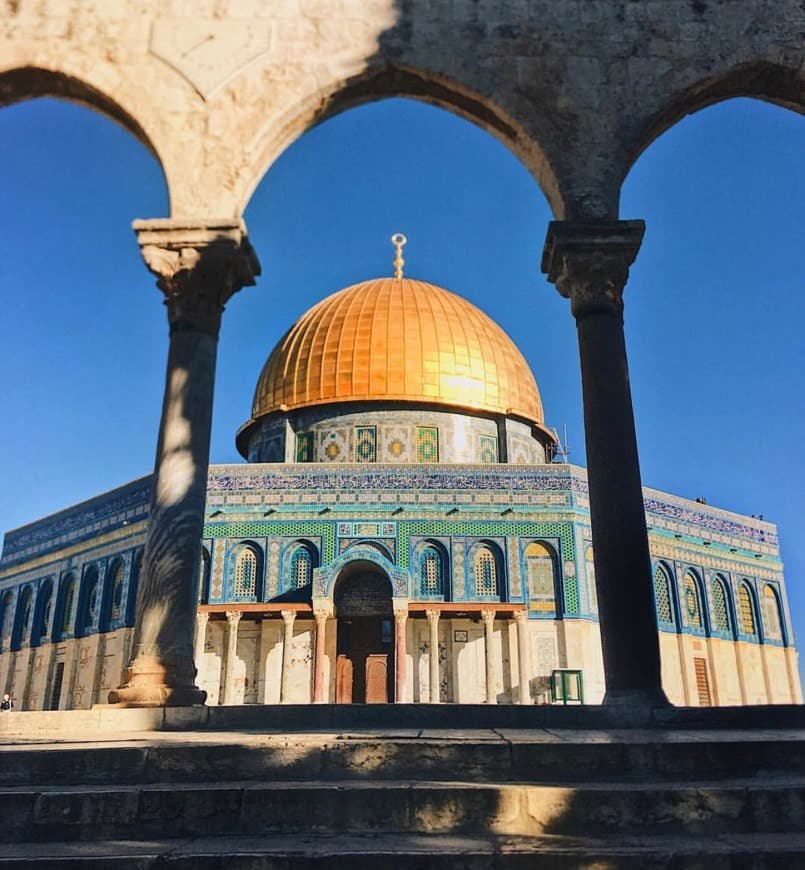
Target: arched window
115	583
747	612
486	572
89	600
662	596
23	626
44	605
301	568
431	572
6	618
245	585
68	598
720	611
134	583
204	576
540	573
693	601
772	622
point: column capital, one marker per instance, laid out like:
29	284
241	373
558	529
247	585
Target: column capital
202	617
233	617
199	265
321	614
520	617
288	616
488	617
400	611
589	262
432	614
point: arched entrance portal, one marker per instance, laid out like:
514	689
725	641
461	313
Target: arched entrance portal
365	640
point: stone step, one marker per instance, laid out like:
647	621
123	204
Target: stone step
504	756
237	808
418	852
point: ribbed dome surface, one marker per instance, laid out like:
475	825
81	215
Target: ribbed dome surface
397	339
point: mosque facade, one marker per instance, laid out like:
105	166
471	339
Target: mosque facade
401	531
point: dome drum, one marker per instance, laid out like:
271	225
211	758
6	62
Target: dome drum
392	433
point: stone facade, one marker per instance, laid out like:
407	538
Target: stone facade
341	514
576	88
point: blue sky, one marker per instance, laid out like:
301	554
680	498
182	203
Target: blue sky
714	307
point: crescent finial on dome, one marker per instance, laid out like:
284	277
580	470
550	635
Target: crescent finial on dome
398	240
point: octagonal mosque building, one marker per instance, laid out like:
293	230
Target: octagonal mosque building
401	531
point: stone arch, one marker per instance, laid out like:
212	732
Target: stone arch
694	601
244	573
773	622
721	620
543	578
324	579
6	618
29	81
749	616
22	622
665	596
355	572
89	601
762	80
42	612
386	81
431	570
487	571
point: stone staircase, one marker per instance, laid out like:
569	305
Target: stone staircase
407	798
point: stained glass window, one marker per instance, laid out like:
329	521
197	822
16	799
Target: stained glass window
662	595
430	572
366	444
539	572
246	573
116	585
693	604
427	444
304	447
67	606
301	568
489	449
748	624
486	575
721	618
771	614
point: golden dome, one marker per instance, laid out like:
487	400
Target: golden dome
397	339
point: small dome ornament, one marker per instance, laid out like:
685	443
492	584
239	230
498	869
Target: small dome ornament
398	240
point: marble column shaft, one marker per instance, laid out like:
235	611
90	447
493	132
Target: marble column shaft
433	658
198	268
400	654
288	619
233	618
589	264
488	617
201	637
523	657
319	658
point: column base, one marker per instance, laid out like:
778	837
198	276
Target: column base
153	682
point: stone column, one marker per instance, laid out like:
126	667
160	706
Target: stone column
202	618
400	652
320	657
523	656
198	268
288	619
589	264
233	617
488	617
433	661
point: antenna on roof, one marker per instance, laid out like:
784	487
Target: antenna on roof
562	451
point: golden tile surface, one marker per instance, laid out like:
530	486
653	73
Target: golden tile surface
397	339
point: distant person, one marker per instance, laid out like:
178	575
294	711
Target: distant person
6	703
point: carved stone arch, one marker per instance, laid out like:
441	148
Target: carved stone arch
245	556
478	562
545	593
89	82
324	578
434	552
759	79
387	80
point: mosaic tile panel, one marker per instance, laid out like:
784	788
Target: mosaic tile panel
488	449
427	444
285	528
366	444
304	447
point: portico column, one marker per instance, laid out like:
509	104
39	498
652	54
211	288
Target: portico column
202	618
488	617
288	618
400	653
433	643
523	656
233	618
199	266
319	686
589	264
